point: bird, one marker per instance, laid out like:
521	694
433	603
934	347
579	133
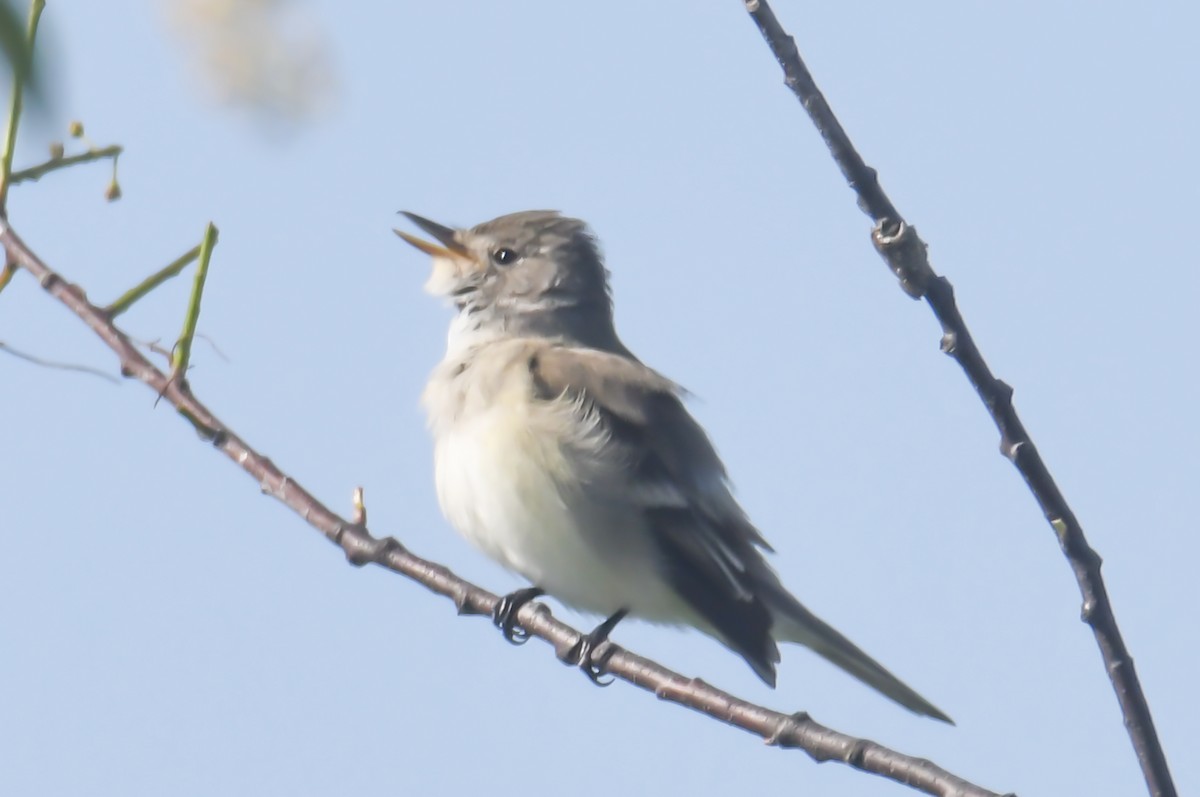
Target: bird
565	459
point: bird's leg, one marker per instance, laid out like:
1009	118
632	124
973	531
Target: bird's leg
582	653
505	614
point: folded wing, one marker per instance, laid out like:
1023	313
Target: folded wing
709	550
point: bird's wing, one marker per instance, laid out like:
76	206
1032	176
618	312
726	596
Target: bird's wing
709	549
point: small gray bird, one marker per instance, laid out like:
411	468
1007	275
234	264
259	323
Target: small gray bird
565	459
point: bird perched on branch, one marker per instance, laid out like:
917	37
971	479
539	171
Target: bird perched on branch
565	459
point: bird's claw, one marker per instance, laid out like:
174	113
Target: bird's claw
583	655
504	616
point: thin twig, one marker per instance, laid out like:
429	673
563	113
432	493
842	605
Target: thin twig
906	254
153	281
183	347
20	71
213	345
34	173
359	505
6	274
783	730
153	347
83	369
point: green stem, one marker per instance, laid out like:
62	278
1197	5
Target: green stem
42	169
183	348
150	283
20	72
6	274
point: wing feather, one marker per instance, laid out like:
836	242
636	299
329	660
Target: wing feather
709	549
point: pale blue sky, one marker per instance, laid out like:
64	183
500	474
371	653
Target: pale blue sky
168	630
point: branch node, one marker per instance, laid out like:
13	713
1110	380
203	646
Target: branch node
278	492
463	606
1061	530
356	553
466	597
862	185
905	253
206	432
567	651
383	548
940	292
392	545
1002	394
949	343
856	753
887	232
787	725
359	516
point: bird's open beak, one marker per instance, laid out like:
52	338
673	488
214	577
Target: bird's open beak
450	247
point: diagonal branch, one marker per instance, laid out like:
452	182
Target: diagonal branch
35	173
139	291
906	254
782	730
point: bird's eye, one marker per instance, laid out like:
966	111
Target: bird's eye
504	256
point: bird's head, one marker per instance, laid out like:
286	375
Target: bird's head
536	272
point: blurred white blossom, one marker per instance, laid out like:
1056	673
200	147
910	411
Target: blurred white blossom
266	56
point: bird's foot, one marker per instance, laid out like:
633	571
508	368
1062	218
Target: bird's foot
504	616
583	653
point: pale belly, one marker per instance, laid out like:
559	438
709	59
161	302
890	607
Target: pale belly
508	486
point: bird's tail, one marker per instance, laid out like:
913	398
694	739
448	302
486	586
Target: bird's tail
794	623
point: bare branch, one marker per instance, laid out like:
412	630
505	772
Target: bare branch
906	254
783	730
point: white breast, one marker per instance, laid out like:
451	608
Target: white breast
513	475
496	485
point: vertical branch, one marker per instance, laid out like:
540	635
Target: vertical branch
20	73
183	348
906	254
